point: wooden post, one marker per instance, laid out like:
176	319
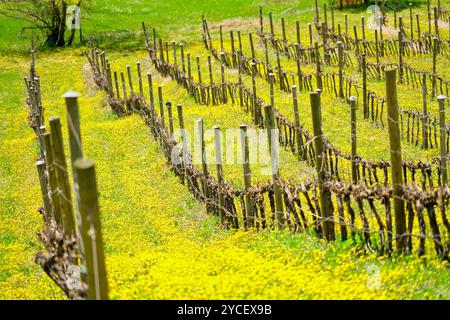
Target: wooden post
280	71
321	167
40	165
169	114
326	54
52	179
199	71
174	49
91	230
325	18
233	49
254	95
206	191
271	24
249	209
241	92
310	35
183	63
221	38
124	86
297	24
377	53
411	21
116	82
261	21
298	133
364	69
418	26
316	18
353	138
435	51
150	90
167	52
283	29
130	80
425	112
396	159
443	140
341	67
62	176
272	135
252	47
271	89
161	105
436	22
222	72
400	51
332	18
141	88
186	160
211	79
346	24
189	66
218	146
73	125
318	71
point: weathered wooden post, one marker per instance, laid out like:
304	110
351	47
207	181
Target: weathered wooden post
297	25
183	62
174	49
130	80
316	18
418	26
211	80
443	139
321	167
298	133
233	49
400	51
365	102
341	67
332	19
271	89
161	105
222	73
377	54
62	176
249	209
425	112
124	87
254	95
91	230
396	159
261	21
73	125
353	138
206	190
271	24
272	135
141	88
411	21
185	154
218	147
52	179
116	83
283	29
436	22
150	90
189	71
318	70
221	38
252	46
435	52
169	114
310	35
40	165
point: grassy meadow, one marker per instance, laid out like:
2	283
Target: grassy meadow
159	241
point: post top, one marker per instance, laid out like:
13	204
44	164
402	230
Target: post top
442	97
83	163
242	126
352	98
168	104
71	94
40	162
216	127
200	120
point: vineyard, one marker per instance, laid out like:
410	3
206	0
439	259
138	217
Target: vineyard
286	155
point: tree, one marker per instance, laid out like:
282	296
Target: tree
46	16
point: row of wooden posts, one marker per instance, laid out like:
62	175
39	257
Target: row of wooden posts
425	118
82	220
328	223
